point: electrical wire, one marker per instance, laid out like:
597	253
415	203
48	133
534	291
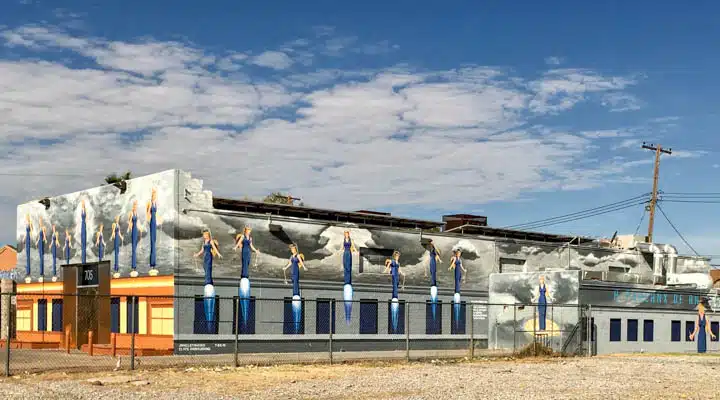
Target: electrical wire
677	231
581	217
642	217
590	212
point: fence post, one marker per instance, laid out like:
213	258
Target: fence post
535	322
514	328
237	332
472	330
330	329
132	333
590	331
7	337
407	331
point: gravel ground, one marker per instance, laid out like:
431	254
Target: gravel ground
607	377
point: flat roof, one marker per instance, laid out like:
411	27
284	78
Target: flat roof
471	229
356	217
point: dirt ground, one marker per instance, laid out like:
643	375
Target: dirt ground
606	377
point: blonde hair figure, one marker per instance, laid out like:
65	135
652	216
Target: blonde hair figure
295	263
209	251
702	329
28	245
392	266
40	244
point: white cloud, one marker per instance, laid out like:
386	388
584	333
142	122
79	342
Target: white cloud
273	59
619	102
554	60
347	139
688	153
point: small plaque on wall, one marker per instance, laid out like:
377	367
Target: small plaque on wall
88	276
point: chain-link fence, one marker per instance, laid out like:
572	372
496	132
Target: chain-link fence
42	332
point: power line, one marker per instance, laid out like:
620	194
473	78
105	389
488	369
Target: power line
581	214
656	176
572	219
677	231
691	201
642	217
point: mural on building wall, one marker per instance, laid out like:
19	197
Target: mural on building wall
244	243
702	329
295	263
208	252
83	217
517	310
392	267
460	272
348	250
433	260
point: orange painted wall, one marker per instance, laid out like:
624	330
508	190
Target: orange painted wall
8	258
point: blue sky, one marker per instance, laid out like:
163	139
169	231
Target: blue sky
516	110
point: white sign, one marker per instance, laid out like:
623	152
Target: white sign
480	310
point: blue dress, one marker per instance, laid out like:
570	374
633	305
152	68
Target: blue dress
83	239
27	249
542	307
134	237
208	262
101	248
41	251
67	250
153	235
116	248
347	261
458	274
433	266
395	275
246	256
295	274
702	335
53	250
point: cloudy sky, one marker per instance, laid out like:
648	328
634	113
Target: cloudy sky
512	110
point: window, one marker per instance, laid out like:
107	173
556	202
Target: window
291	326
632	330
457	326
433	326
246	327
114	314
715	329
324	317
399	328
648	330
615	329
511	265
369	317
161	319
57	315
675	331
24	319
133	314
689	328
201	325
42	315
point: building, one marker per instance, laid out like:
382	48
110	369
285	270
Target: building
8	258
159	231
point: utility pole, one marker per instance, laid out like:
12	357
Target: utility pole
656	174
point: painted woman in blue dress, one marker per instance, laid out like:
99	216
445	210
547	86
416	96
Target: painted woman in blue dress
392	266
67	246
244	242
433	259
117	238
541	299
54	246
348	249
296	262
100	242
40	244
83	232
28	245
155	222
209	251
456	264
702	330
135	229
